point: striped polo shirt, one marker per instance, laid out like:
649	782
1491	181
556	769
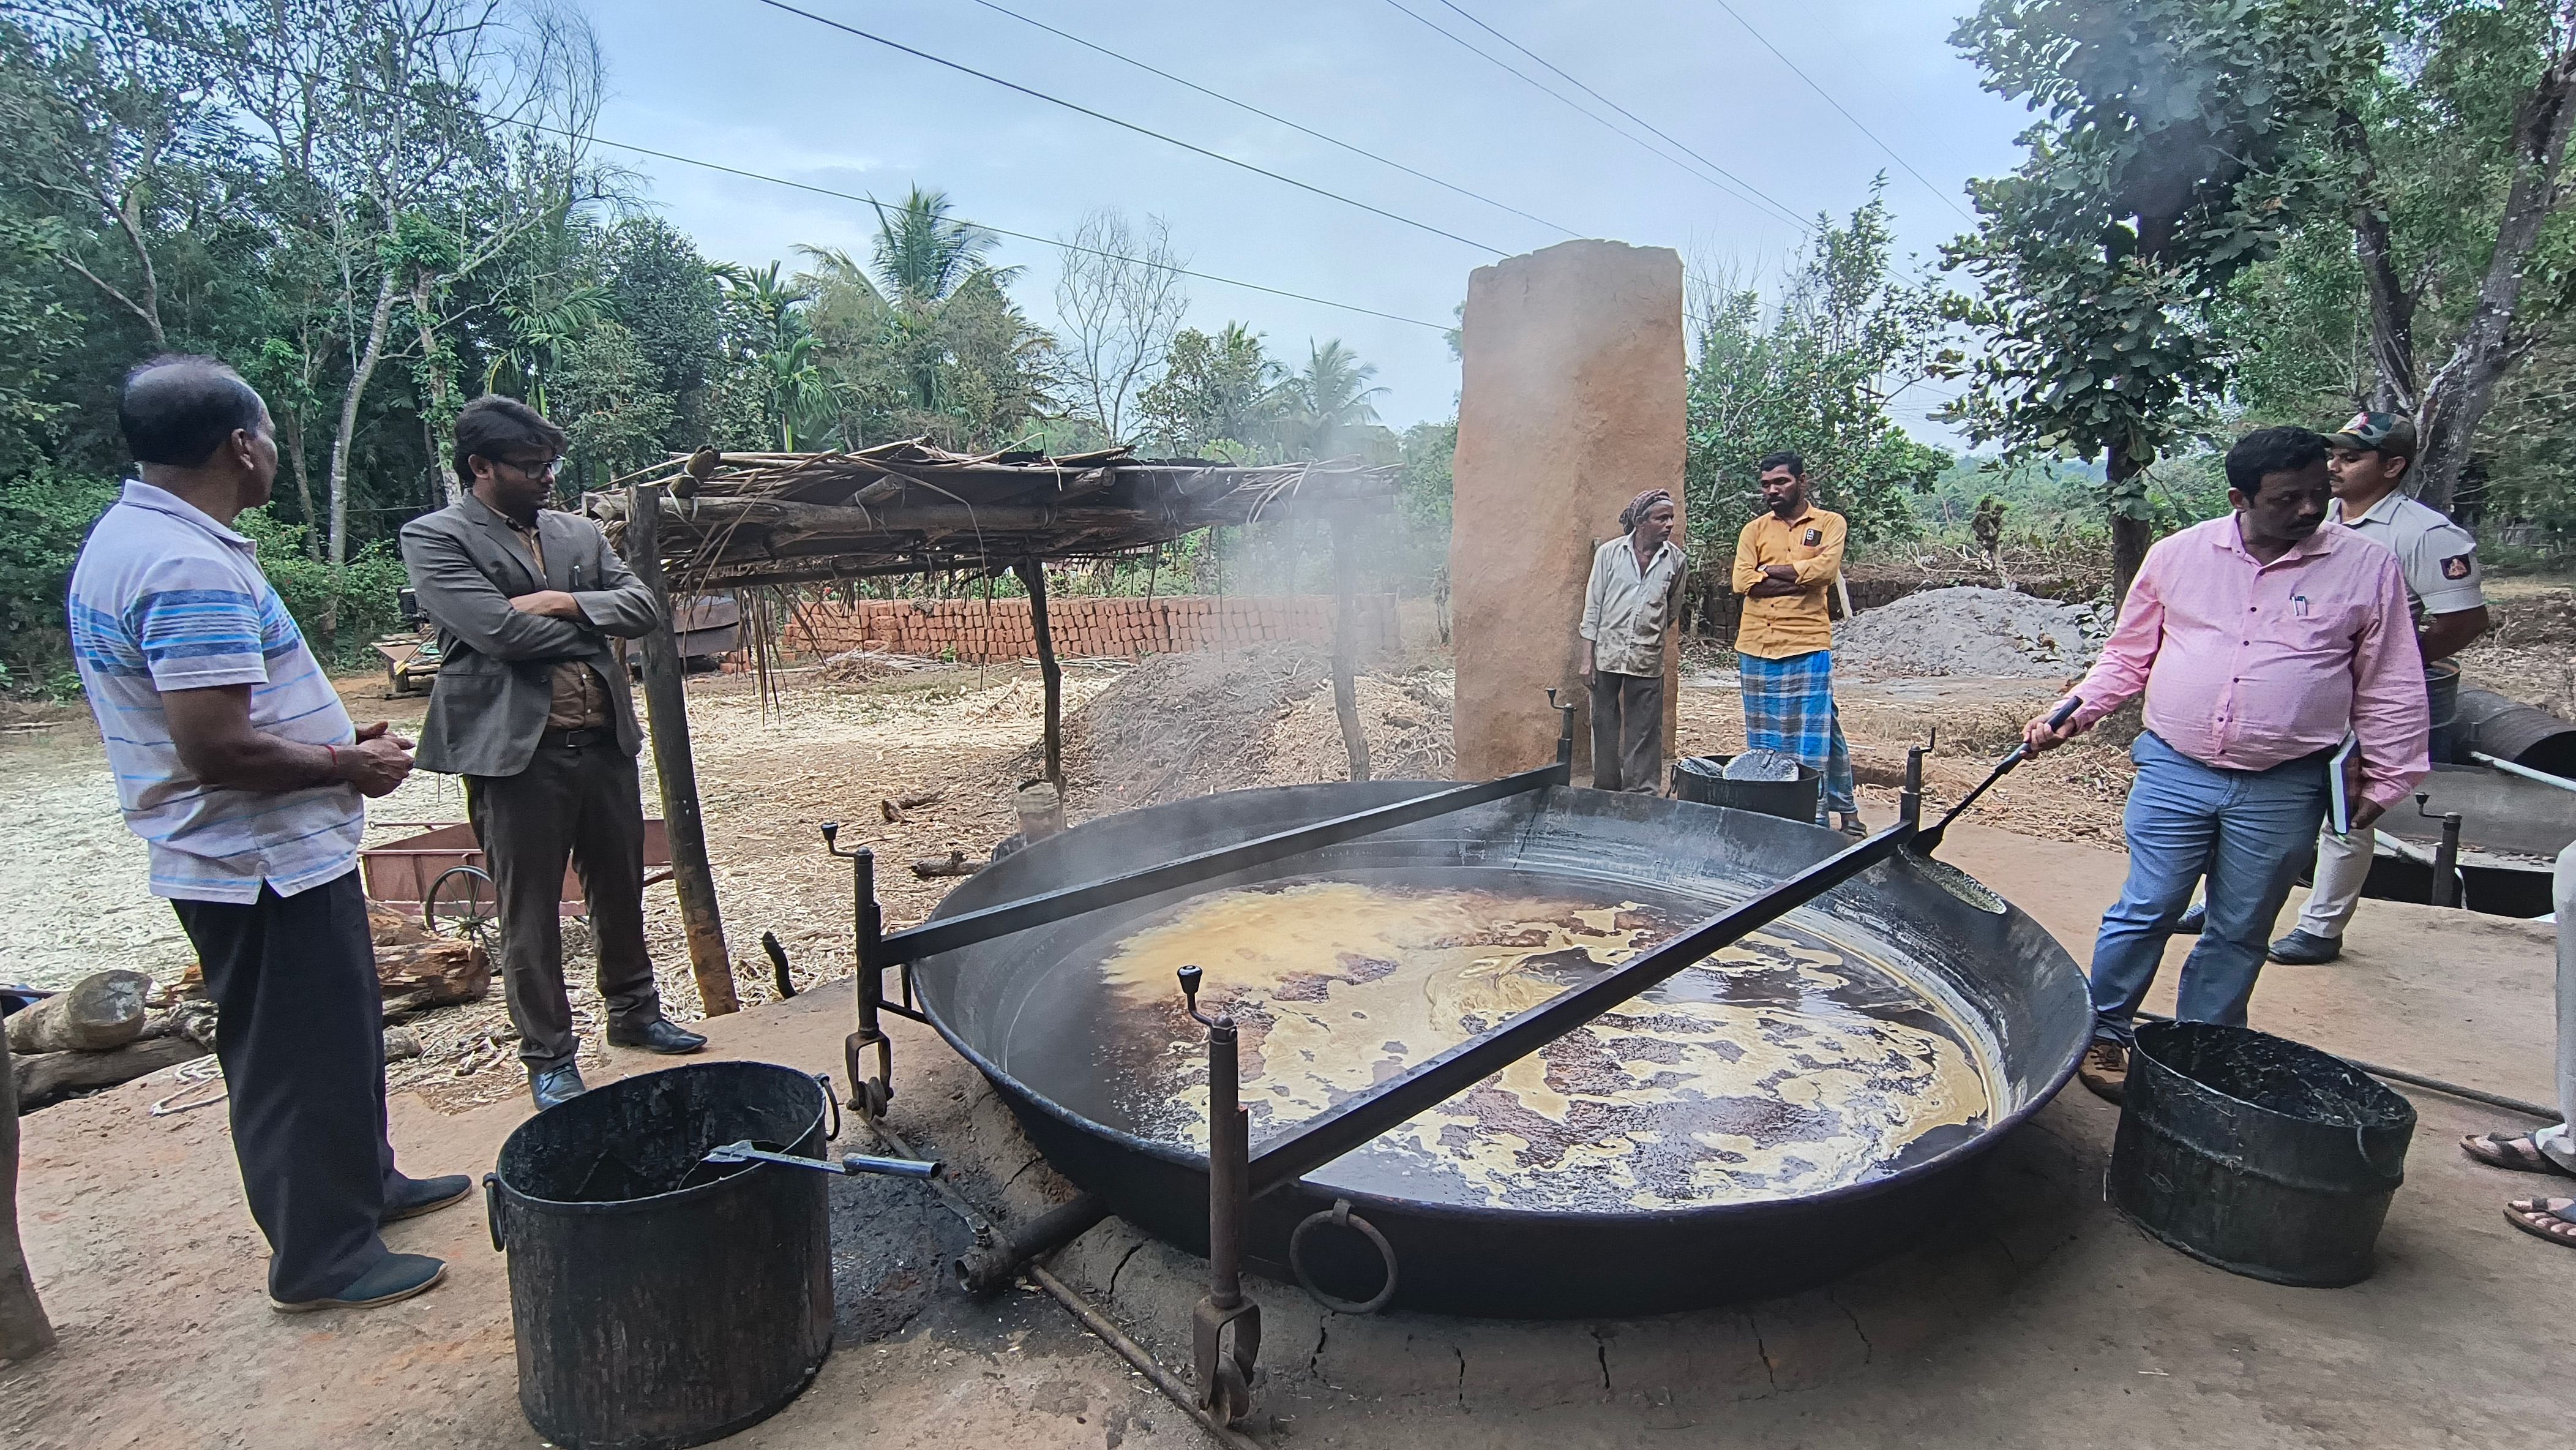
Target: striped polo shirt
165	598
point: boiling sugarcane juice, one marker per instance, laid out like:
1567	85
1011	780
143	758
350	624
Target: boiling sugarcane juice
1781	1066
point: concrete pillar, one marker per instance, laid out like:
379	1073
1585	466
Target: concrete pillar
1570	404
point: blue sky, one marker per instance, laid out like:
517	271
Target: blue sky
735	82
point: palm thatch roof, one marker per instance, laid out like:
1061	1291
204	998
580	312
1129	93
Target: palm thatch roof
732	520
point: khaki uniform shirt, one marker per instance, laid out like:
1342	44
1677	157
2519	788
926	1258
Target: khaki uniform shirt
2440	558
581	697
1788	624
1626	610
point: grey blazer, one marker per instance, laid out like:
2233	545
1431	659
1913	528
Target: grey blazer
496	668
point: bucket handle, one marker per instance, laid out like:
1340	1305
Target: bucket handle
831	1100
492	1209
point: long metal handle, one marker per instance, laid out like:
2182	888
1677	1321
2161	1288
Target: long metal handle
744	1152
1320	1140
2525	771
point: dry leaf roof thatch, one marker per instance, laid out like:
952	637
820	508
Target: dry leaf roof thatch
732	520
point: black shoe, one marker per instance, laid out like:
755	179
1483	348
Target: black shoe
2192	922
2305	949
555	1086
657	1035
424	1195
395	1277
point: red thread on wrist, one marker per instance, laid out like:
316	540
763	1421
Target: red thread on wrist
334	752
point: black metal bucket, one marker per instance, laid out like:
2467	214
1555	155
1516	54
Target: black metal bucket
659	1302
2261	1155
1701	778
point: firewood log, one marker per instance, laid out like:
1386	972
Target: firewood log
44	1078
103	1010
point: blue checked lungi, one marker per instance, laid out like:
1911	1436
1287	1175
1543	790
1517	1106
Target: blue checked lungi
1789	707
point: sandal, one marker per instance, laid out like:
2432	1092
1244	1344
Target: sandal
2519	1152
2553	1219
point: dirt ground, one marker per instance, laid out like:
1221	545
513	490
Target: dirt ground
2032	1319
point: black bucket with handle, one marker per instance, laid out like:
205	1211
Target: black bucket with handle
2261	1155
1702	778
660	1300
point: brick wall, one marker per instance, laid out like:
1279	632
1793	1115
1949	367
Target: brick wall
975	630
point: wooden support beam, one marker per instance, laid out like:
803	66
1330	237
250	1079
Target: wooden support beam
677	767
25	1332
1033	578
1346	641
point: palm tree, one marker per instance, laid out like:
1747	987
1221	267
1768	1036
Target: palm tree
1329	398
923	254
780	347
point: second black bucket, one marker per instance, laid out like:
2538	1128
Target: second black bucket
659	1302
1702	778
2261	1155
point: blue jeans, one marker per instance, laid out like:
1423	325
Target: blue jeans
2248	831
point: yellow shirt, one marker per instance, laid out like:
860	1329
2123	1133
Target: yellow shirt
1788	624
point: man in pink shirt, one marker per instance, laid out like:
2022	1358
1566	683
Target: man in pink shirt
2259	639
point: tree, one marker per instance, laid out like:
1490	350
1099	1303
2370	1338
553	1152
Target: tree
1118	301
1217	394
1328	401
1813	374
2177	140
2493	98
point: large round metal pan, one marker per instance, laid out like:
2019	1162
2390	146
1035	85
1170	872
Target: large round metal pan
2003	971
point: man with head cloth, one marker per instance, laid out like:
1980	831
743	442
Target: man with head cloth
1628	610
234	759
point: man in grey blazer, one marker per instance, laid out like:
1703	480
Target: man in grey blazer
530	705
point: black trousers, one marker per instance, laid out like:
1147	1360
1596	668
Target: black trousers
1627	732
300	1032
579	802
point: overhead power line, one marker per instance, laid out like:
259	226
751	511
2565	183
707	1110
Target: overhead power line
1276	118
1784	208
1731	184
1946	197
591	138
964	69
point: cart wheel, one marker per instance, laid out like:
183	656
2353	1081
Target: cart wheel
462	903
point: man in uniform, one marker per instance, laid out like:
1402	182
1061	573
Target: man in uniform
2369	460
531	707
1627	618
1786	560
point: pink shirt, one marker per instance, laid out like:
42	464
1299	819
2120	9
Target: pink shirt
2247	665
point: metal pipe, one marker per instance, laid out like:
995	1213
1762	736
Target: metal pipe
1320	1140
2446	863
948	934
994	1262
2525	771
1229	1143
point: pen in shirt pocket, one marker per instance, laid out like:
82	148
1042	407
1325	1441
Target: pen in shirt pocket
2299	605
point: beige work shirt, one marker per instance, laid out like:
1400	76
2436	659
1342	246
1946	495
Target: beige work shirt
1627	610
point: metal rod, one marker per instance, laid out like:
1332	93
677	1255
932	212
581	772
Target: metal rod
994	1262
1229	1141
2525	771
2446	863
1320	1140
933	937
1136	1354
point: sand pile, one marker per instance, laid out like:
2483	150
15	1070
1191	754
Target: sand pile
1968	631
1181	725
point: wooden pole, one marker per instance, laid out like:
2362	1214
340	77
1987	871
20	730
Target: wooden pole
1033	578
672	761
1346	642
25	1332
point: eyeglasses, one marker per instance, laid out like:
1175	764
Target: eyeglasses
544	470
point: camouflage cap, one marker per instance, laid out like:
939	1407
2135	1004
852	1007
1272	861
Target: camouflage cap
2384	433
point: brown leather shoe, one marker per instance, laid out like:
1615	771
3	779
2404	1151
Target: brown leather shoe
2105	1070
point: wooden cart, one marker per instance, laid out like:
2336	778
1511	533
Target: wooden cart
440	875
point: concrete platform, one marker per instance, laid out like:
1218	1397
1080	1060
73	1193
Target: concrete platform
2034	1317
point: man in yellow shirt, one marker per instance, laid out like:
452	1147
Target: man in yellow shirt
1785	561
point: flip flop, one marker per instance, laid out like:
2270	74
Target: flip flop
2518	1152
2553	1219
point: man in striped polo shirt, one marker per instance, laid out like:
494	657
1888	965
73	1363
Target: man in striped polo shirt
236	763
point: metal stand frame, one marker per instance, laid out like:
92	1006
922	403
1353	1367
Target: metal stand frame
1226	1324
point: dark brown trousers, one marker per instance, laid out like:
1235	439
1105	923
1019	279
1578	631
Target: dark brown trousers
582	803
1627	732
